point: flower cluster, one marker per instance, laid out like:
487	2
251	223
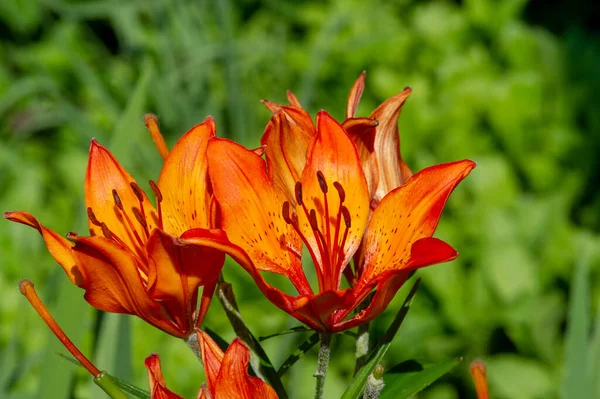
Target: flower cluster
338	190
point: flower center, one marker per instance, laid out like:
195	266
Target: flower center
329	244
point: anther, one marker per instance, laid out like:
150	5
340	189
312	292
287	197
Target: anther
156	191
117	199
322	182
137	191
340	191
298	191
105	230
312	219
285	212
347	219
92	217
139	217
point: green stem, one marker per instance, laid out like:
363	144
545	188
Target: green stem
322	364
362	346
106	383
192	342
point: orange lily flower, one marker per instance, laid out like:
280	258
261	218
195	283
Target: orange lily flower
134	261
226	374
270	214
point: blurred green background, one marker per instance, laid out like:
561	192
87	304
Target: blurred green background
510	84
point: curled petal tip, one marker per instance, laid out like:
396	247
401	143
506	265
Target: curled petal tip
72	236
7	215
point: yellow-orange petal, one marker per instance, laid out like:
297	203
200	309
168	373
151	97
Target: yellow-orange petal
158	387
362	131
333	155
355	94
104	174
234	382
251	211
408	214
393	172
58	246
183	181
286	138
212	357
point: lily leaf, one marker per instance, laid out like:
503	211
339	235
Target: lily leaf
298	353
285	332
408	378
357	386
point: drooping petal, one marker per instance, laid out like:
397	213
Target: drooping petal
158	387
251	211
393	172
322	307
114	284
58	246
212	357
183	181
408	214
333	156
104	174
286	138
355	94
362	132
234	382
177	270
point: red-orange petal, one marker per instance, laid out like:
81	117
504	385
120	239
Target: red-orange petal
104	173
158	387
393	172
234	382
321	308
251	211
286	138
355	94
408	214
183	181
58	246
333	154
212	357
177	270
362	131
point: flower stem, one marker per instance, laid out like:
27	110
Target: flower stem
192	342
362	346
322	363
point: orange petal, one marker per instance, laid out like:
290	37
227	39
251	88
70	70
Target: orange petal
362	132
333	154
104	174
251	209
393	172
408	214
234	382
158	387
114	284
212	357
183	181
354	97
177	270
321	308
286	138
58	246
292	99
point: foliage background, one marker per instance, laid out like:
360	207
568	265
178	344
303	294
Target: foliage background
513	85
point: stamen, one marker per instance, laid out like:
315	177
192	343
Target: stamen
119	205
285	212
322	182
347	218
140	218
151	122
117	199
106	231
27	289
298	191
159	198
140	196
340	191
478	372
92	217
137	191
312	219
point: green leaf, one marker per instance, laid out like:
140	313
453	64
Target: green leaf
292	330
105	381
358	383
298	353
410	377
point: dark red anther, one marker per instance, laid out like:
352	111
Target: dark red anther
312	219
322	182
298	191
347	219
156	191
340	191
105	230
117	199
92	217
285	212
139	217
137	191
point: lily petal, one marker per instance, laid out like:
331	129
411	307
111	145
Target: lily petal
104	174
183	181
58	246
355	94
363	131
212	357
234	382
286	138
158	387
408	214
322	307
247	197
393	172
333	155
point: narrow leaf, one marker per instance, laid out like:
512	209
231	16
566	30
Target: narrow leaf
285	332
298	353
403	383
358	384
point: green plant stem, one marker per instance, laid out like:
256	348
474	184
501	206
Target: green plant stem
192	342
106	383
322	363
362	346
